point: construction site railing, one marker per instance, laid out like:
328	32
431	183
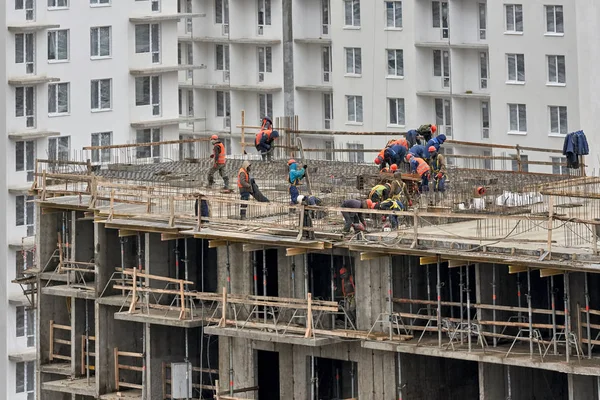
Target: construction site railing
85	353
119	366
53	341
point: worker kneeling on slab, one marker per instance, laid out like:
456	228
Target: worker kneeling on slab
354	219
248	187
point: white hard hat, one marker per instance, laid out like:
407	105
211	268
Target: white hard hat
300	198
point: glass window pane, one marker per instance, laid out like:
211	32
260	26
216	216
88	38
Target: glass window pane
142	38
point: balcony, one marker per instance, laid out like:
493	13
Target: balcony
28	80
32	134
160	122
225	40
158	17
163	69
31	27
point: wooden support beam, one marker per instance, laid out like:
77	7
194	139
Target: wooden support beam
212	244
366	256
171	236
249	247
515	269
294	251
126	232
546	272
428	260
458	263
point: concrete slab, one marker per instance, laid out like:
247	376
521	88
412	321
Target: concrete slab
160	318
123	394
74	386
23	356
117	301
57	368
288	338
70	291
53	276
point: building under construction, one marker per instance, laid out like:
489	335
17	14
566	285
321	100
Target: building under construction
488	296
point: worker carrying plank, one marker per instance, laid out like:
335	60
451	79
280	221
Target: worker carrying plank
248	187
265	138
219	157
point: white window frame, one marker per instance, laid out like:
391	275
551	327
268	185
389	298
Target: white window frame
395	63
58	4
485	114
325	16
556	60
518	77
440	18
484	70
356	157
482	20
54	93
562	120
190	60
153	46
100	3
26	216
393	21
441	58
155	5
355	110
396	112
263	13
552	26
25	368
265	105
223	17
96	33
328	111
150	151
326	64
153	99
223	109
520	123
101	85
352	14
24	111
59	148
25	158
524	163
264	58
58	33
353	61
29	6
102	156
222	62
512	13
28	57
443	115
560	164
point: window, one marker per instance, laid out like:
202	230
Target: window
58	148
99	2
397	115
18	4
441	66
395	60
100	41
326	53
58	45
393	14
25	213
517	115
180	102
559	165
483	70
155	5
329	146
147	92
558	120
327	110
29	10
356	156
482	21
101	94
487	163
190	105
439	13
148	136
264	62
524	163
26	324
189	22
222	57
485	119
58	3
265	105
25	158
58	98
514	18
25	51
353	61
554	20
101	139
264	12
443	116
516	67
190	60
24	260
355	109
223	104
147	40
352	13
325	17
25	104
26	379
222	14
556	70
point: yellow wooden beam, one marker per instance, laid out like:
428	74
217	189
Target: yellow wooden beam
171	236
126	232
428	260
294	251
366	256
249	247
458	263
515	269
216	243
546	272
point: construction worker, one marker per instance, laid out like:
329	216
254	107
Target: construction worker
421	167
394	155
265	138
353	219
437	141
295	175
379	192
348	290
438	170
427	131
394	205
248	187
218	156
419	151
401	142
380	159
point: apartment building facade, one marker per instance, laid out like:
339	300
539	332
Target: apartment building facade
78	73
389	66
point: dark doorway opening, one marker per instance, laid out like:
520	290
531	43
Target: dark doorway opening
266	270
268	375
332	379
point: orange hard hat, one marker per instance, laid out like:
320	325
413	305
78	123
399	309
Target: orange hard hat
377	160
370	203
409	156
393	167
431	149
214	137
433	128
291	161
343	271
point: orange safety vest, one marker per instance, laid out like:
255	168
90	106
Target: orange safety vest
423	167
401	142
221	157
239	181
260	134
348	286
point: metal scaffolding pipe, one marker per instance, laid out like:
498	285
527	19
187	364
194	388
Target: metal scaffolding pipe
428	292
312	378
390	289
468	308
177	299
187	350
495	339
144	370
293	276
332	273
439	301
529	312
450	291
519	314
306	276
264	280
567	316
553	294
122	265
255	276
87	343
587	316
461	286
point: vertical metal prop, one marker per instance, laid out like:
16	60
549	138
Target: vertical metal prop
228	271
587	316
439	301
255	275
519	314
390	304
306	276
468	308
312	378
87	343
495	339
294	277
410	279
122	265
400	384
428	292
553	294
264	280
332	273
461	286
144	371
567	316
187	349
529	312
177	269
450	292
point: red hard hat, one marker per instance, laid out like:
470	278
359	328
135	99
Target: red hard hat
291	161
433	128
393	167
214	137
378	160
431	149
409	156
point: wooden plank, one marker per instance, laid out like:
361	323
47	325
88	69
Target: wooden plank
515	269
458	263
428	260
546	272
293	251
366	256
171	236
126	232
248	247
213	244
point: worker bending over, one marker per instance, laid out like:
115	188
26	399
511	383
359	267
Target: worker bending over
380	192
419	151
380	159
218	156
421	167
248	187
427	131
354	219
437	141
394	155
295	175
394	205
265	138
438	170
401	141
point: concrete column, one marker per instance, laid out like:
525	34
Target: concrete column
376	374
240	269
244	362
492	380
287	23
583	387
77	331
107	256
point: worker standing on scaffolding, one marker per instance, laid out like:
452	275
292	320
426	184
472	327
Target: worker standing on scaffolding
348	289
295	175
421	167
219	157
438	170
265	138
